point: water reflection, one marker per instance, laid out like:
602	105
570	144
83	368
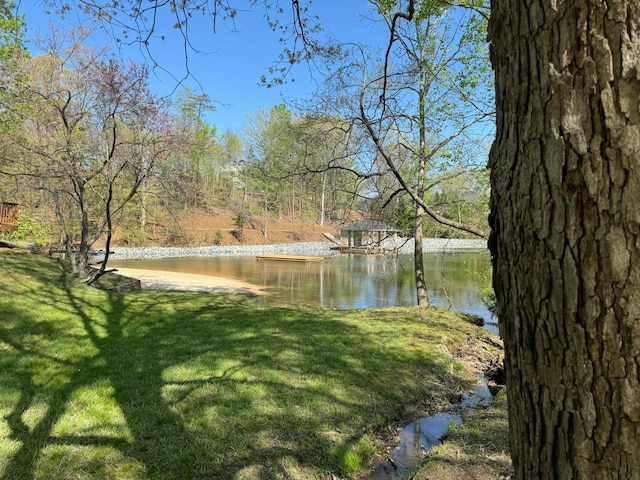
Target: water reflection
417	439
347	281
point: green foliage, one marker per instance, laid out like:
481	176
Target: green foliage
192	106
218	238
31	227
12	31
196	157
241	219
488	296
423	8
271	169
461	195
134	237
12	51
366	447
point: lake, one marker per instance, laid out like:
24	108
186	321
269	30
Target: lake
347	281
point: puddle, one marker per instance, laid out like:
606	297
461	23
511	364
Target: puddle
418	438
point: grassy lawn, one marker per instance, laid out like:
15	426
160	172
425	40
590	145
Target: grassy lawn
173	385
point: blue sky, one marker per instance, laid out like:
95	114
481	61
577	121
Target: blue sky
234	58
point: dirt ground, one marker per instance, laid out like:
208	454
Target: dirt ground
218	228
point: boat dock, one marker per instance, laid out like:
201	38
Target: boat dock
290	258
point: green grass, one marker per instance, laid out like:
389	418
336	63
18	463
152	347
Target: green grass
172	385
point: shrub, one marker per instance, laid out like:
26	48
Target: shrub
134	237
31	228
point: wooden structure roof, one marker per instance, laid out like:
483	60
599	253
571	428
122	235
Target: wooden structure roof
369	226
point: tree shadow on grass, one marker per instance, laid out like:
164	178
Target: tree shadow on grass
202	386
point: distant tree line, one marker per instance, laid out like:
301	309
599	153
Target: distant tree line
88	148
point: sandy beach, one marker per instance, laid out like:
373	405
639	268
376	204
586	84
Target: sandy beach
161	280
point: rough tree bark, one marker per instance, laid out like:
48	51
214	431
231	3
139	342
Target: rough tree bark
565	177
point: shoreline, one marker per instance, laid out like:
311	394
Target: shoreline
323	249
191	282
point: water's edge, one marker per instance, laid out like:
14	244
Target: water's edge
302	248
417	440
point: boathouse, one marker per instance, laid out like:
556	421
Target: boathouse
369	236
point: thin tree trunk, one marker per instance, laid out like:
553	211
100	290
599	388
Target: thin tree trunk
266	217
565	239
421	285
422	294
143	210
324	186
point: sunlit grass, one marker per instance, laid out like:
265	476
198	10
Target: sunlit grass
170	385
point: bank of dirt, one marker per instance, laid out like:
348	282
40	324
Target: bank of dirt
475	450
218	227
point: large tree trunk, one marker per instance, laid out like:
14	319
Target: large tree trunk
565	217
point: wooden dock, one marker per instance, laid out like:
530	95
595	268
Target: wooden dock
370	250
290	258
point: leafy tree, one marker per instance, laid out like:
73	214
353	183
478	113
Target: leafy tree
421	105
91	133
300	165
272	147
231	162
12	51
322	164
461	194
12	42
447	95
193	162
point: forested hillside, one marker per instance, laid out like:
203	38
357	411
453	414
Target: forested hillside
96	157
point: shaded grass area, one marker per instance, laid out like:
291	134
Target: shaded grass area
477	449
172	385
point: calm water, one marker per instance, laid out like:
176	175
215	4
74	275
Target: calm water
347	281
417	439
